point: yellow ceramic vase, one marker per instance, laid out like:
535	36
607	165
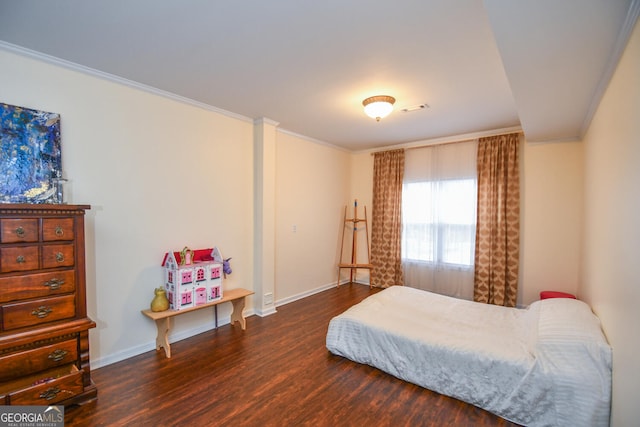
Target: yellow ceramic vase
160	301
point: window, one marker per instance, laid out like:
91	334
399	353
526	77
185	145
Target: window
439	221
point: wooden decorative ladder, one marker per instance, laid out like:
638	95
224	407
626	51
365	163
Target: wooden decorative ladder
353	266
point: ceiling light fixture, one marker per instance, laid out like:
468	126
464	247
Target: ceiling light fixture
378	106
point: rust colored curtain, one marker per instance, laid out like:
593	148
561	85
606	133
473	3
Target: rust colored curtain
386	222
497	248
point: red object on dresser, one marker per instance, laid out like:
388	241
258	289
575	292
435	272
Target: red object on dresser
555	294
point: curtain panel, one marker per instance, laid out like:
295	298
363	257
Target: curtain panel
386	221
497	246
439	218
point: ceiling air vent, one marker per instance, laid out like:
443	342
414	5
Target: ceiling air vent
415	108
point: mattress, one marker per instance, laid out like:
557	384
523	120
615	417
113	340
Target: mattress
546	365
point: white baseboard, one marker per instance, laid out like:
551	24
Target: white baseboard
265	313
304	294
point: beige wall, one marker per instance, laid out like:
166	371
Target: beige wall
610	269
551	219
362	177
362	190
159	175
312	184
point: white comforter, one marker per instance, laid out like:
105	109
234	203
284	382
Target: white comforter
547	365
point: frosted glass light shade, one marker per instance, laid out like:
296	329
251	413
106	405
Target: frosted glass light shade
378	106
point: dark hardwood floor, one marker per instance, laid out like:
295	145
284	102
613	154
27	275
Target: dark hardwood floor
277	372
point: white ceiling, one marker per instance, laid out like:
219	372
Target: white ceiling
308	64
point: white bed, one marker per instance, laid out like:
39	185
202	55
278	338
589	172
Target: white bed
546	365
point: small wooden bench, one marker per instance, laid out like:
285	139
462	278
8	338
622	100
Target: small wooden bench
163	318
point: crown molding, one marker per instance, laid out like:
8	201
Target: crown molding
32	54
266	121
446	139
313	140
612	63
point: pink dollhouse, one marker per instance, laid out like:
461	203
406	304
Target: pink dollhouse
192	278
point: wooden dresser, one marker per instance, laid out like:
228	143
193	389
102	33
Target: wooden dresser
44	328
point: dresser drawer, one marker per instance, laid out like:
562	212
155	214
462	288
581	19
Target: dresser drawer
18	230
37	285
57	256
54	229
38	359
45	388
21	258
30	313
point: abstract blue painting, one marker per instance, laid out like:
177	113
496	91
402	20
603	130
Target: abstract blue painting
30	160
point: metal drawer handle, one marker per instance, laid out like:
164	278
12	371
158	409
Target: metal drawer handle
50	393
20	232
59	231
54	284
20	259
57	355
59	257
41	312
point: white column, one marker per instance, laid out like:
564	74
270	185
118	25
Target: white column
264	140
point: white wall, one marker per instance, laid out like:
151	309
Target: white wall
312	184
610	269
159	175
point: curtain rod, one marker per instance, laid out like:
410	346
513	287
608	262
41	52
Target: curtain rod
446	141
